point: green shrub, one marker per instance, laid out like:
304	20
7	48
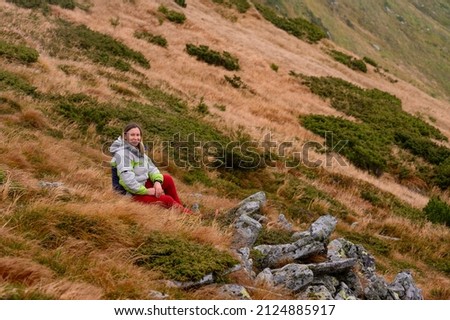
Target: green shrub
274	67
100	48
438	211
181	259
181	3
202	107
365	147
236	81
8	106
203	53
151	38
299	28
241	5
168	119
53	227
273	237
20	53
370	61
35	4
442	175
12	81
384	125
171	15
122	90
349	61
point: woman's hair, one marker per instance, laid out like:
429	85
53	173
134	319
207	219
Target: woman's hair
130	126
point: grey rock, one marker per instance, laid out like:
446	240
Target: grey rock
246	232
275	254
329	282
293	276
319	292
332	267
235	291
246	261
404	287
265	278
322	228
300	235
46	184
248	208
344	293
208	279
259	197
283	223
156	295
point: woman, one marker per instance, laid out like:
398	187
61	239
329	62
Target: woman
137	173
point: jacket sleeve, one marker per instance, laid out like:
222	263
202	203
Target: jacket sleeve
153	173
127	177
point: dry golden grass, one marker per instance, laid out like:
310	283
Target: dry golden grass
29	155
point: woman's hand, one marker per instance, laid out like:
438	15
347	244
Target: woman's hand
151	191
158	189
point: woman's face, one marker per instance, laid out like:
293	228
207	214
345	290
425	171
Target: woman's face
133	136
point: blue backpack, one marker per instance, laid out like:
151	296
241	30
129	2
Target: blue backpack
115	182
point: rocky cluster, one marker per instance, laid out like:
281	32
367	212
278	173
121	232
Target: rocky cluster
346	270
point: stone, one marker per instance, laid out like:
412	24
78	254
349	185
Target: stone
235	291
322	228
292	276
246	232
275	254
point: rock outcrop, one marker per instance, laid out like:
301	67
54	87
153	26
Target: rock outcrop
346	272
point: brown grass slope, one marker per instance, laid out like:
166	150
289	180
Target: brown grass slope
40	259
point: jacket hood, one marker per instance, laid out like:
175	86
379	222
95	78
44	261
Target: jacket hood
120	144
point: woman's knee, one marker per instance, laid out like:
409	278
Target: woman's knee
167	178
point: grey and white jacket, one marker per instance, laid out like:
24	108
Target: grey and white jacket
133	167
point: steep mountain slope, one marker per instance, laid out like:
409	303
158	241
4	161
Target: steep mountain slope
60	111
410	38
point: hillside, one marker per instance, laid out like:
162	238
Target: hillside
410	38
257	117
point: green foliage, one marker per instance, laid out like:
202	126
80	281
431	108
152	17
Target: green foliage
442	176
273	237
151	38
384	125
438	211
370	61
10	80
236	82
359	142
98	47
22	292
171	15
274	67
122	90
166	119
349	61
298	27
202	107
203	53
19	53
241	5
181	3
369	242
197	175
304	202
8	106
43	4
52	227
180	259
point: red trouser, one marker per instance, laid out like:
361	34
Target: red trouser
168	199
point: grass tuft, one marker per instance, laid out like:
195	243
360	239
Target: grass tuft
180	259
